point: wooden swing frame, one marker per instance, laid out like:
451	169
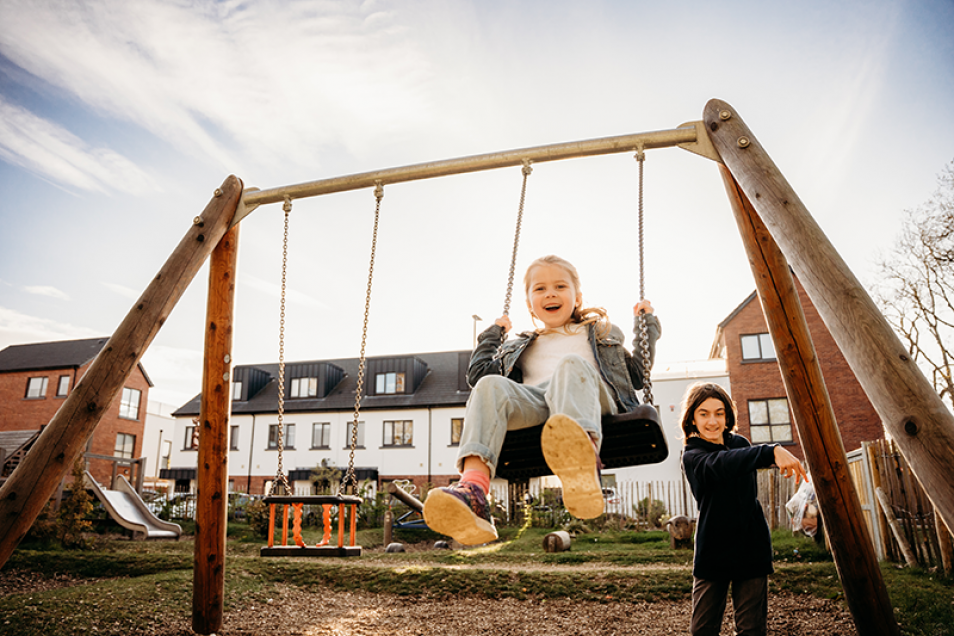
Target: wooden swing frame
778	233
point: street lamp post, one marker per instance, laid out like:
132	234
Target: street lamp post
476	318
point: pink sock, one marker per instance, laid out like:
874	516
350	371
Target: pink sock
478	477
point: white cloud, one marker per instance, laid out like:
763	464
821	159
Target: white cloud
125	292
46	290
20	328
271	289
47	149
175	372
276	78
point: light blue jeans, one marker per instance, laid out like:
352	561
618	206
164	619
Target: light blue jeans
498	404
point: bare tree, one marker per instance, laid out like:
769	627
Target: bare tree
916	290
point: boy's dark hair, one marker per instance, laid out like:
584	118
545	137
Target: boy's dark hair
699	393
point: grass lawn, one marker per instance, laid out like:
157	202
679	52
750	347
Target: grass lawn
125	587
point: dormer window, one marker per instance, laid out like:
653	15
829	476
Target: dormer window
389	383
304	387
236	390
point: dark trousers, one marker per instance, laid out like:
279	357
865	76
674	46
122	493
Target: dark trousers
749	598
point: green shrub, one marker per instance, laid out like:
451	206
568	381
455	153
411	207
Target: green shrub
650	513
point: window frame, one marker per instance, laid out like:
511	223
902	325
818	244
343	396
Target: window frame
295	388
361	430
234	437
191	441
62	391
407	431
395	380
325	428
764	341
129	441
272	442
41	394
236	390
769	425
125	405
458	424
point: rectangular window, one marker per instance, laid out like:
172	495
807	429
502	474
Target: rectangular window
273	436
129	405
191	438
125	445
457	427
321	435
234	438
304	387
758	346
36	388
166	459
63	387
389	383
398	433
237	390
360	442
770	421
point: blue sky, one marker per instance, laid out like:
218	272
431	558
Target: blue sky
118	120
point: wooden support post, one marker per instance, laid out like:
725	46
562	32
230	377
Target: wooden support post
212	474
944	544
910	408
62	441
818	432
896	528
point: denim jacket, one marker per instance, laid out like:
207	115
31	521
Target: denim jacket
618	368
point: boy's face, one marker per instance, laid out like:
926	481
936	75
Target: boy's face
709	419
552	296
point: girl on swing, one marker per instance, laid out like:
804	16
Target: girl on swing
567	373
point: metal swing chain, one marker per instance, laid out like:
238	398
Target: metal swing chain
516	237
643	329
282	478
350	475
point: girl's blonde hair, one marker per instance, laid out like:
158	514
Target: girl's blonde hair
581	315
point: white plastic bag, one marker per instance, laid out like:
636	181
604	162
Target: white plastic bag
803	508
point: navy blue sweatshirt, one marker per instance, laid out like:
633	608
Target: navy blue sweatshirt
732	538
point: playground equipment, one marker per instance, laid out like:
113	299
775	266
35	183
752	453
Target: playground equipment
779	235
347	518
413	518
632	438
127	508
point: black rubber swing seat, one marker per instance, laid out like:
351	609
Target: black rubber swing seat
634	438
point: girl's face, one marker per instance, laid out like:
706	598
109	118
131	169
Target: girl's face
709	419
551	296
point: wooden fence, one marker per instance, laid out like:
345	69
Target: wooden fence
916	524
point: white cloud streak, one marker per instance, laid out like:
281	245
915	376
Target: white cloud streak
125	292
220	79
273	290
46	290
49	150
19	328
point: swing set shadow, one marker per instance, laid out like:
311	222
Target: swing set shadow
780	237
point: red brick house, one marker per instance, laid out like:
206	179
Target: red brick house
35	380
756	380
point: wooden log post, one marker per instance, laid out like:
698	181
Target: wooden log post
818	432
212	474
62	441
896	528
910	408
944	544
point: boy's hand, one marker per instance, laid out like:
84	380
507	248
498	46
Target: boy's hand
789	465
